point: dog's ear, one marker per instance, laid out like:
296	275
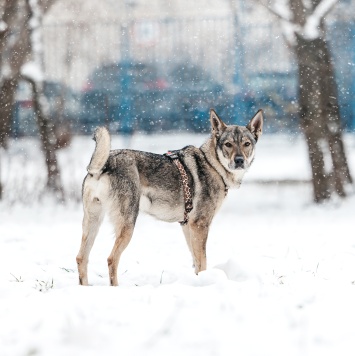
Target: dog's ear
255	125
217	125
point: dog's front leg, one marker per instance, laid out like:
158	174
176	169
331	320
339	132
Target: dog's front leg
198	239
186	231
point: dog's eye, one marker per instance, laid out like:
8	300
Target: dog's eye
228	144
247	144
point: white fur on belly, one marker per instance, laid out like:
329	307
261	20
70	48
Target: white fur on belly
160	211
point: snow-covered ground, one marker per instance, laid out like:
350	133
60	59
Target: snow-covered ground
280	278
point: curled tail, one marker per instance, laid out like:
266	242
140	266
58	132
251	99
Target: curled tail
102	151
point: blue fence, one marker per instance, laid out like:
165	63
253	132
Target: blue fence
342	42
154	75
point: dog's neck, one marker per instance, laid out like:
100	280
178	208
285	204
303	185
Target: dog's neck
230	179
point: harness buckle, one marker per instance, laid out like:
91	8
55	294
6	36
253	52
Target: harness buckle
172	154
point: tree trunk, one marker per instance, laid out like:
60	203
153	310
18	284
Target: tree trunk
329	101
320	119
13	51
311	120
48	139
7	98
40	103
1	187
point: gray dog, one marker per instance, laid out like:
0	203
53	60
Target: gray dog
186	186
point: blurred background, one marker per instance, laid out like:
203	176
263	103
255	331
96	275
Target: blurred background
158	65
151	67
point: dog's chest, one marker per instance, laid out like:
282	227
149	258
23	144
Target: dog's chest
144	204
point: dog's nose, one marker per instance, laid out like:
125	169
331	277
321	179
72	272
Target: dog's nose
239	161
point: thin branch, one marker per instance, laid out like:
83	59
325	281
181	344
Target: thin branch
289	28
313	26
323	8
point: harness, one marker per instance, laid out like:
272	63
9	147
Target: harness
185	185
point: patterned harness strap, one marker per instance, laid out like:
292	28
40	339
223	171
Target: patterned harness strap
185	185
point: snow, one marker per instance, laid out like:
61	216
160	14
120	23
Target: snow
280	277
3	26
312	27
311	30
6	71
323	8
281	8
33	71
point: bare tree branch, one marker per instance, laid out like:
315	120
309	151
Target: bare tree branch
289	28
35	77
313	27
323	8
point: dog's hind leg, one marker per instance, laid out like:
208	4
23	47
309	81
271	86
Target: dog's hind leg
93	216
198	238
124	227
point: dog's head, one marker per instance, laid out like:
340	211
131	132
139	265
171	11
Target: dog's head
235	145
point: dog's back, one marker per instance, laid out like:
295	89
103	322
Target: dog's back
125	181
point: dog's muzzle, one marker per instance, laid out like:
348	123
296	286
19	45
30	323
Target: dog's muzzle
239	162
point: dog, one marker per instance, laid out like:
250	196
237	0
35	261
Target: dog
186	186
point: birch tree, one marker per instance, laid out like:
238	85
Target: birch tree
303	23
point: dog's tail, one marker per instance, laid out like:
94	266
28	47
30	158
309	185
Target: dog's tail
102	151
